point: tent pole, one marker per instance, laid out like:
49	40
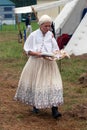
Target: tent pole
20	37
35	13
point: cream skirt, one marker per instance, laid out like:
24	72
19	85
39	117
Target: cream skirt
40	84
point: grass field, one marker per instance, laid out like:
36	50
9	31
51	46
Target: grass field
17	116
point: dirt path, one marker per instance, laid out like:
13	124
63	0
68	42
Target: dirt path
17	116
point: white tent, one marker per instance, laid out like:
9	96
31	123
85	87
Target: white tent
40	7
70	16
78	43
69	21
50	8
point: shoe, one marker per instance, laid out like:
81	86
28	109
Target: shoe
55	112
35	110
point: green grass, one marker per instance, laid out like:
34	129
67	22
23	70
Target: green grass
15	27
72	68
10	50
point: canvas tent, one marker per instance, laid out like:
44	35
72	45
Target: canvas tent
69	22
40	7
70	16
43	8
77	45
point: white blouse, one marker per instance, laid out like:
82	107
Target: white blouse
37	42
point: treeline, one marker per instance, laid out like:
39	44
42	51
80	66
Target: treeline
20	3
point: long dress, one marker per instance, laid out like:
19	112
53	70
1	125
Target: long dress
40	83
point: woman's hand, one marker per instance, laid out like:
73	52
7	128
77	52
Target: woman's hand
64	54
60	54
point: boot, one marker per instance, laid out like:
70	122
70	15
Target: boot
55	112
35	110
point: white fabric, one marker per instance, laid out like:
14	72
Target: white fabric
40	84
44	18
37	42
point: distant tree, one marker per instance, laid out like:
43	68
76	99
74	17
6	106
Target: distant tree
20	3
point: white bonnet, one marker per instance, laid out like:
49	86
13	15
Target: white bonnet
44	18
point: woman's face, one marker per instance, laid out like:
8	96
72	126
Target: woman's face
45	27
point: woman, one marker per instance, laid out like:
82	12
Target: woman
40	84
